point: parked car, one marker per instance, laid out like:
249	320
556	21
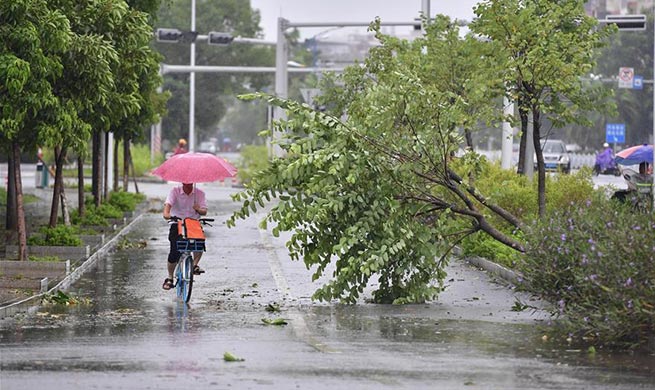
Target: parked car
556	157
207	147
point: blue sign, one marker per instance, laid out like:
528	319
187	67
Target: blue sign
638	82
615	133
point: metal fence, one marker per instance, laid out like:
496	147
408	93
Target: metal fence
578	160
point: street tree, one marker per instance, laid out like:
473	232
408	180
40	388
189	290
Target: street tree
89	82
36	40
547	46
377	192
119	76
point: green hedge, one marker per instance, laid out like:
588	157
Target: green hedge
60	235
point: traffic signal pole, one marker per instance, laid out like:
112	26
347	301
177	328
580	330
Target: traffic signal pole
192	84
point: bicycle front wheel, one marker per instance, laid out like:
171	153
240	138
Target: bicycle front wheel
184	276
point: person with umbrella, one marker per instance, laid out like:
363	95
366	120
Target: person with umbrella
189	201
185	201
640	182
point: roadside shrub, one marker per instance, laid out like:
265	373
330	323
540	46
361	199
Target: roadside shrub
564	190
44	259
90	219
60	235
482	245
515	193
96	216
518	195
597	263
254	158
125	201
107	210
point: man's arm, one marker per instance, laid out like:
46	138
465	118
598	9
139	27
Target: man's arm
200	210
167	211
201	203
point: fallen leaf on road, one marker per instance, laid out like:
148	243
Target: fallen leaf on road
228	357
276	321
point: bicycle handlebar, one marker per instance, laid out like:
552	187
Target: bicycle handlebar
204	221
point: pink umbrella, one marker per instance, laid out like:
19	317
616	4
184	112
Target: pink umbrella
195	168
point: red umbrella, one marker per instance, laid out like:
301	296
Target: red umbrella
195	168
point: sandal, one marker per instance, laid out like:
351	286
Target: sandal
197	270
168	284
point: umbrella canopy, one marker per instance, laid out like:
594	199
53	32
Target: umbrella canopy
195	168
635	155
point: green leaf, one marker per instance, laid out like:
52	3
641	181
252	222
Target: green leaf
229	357
275	321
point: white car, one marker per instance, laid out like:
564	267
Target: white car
207	147
556	157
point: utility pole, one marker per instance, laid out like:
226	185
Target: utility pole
281	76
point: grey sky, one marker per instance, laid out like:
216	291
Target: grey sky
352	11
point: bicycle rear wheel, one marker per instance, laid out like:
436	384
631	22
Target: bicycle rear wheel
184	276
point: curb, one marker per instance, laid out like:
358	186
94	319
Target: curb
498	270
32	303
495	269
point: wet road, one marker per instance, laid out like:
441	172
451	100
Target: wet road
134	335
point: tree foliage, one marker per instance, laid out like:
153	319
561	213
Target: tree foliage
67	67
375	195
36	37
545	47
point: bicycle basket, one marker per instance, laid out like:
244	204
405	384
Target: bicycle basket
191	245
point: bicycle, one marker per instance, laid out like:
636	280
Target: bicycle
191	239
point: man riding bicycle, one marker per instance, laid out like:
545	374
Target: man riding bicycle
184	201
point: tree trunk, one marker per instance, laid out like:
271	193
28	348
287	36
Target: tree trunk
59	185
105	170
81	209
115	167
468	135
96	163
523	114
20	210
541	168
64	206
136	186
126	164
11	223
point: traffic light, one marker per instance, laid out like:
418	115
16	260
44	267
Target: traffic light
626	22
172	35
219	38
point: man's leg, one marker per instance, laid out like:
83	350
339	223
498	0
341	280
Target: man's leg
196	258
173	256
